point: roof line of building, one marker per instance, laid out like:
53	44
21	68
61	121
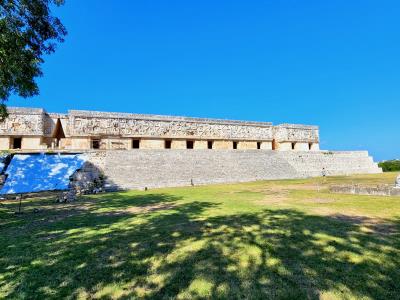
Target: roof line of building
114	115
119	115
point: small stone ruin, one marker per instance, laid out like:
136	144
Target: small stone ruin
397	183
380	190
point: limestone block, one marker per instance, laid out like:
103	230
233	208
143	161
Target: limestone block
4	143
223	145
178	144
200	145
285	146
115	144
83	143
301	147
31	143
314	147
152	144
65	143
266	146
247	145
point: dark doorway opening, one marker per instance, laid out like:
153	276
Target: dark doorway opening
209	144
189	144
258	145
235	144
95	144
293	145
309	146
168	144
135	144
58	133
17	143
273	145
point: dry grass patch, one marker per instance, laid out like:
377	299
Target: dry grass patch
149	208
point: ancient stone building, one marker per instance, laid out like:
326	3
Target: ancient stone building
35	129
134	151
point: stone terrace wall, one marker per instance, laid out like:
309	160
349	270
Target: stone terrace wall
137	169
309	164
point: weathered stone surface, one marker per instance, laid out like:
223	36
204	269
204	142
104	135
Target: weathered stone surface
138	169
383	190
90	178
296	133
137	126
79	128
23	121
397	183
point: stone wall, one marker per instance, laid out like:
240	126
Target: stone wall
137	169
92	124
296	133
85	123
50	121
384	190
23	121
117	130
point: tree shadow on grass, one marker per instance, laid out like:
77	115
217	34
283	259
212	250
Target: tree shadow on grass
182	252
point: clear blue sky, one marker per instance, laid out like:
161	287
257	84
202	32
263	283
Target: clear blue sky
335	64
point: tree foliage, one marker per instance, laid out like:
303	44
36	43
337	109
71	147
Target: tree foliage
390	165
28	31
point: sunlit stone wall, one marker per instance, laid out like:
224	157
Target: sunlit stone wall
84	130
85	123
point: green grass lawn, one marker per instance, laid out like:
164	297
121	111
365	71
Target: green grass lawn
262	240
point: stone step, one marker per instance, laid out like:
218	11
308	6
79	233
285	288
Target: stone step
137	169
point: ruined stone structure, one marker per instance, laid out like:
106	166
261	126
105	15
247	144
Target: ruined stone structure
140	169
135	151
35	129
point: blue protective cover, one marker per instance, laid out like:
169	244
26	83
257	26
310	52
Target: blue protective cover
29	173
3	157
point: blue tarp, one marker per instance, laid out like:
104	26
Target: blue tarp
3	158
40	172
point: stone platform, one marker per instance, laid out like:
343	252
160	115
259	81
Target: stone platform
140	169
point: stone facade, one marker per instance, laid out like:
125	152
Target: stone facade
135	151
140	169
35	129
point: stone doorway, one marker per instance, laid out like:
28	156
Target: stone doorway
58	133
16	143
